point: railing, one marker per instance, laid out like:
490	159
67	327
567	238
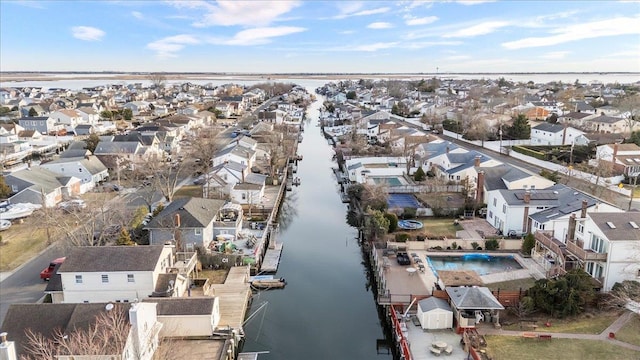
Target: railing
545	238
185	262
399	335
585	255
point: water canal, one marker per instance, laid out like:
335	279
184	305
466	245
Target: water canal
327	310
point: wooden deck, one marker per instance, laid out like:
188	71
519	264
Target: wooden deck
271	259
234	296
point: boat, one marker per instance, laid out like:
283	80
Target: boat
267	282
4	224
17	211
410	224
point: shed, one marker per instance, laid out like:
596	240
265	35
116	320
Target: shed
434	313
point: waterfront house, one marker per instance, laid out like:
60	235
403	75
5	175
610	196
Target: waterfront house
235	152
505	177
606	245
51	320
187	222
187	317
361	169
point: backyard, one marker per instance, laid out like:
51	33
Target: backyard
630	332
21	242
587	323
515	347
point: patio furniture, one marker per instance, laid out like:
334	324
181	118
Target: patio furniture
411	271
529	335
439	344
448	350
435	351
544	337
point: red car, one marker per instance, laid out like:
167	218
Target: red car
48	271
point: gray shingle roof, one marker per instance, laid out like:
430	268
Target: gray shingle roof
194	213
432	303
548	127
472	298
183	306
41	178
569	201
623	229
112	258
545	197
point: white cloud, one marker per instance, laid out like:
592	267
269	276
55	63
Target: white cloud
373	47
247	13
555	55
424	44
87	33
257	36
479	29
349	9
457	57
474	2
380	25
586	30
137	14
421	21
169	46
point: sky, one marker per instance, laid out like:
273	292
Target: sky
262	36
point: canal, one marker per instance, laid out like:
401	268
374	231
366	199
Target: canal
327	310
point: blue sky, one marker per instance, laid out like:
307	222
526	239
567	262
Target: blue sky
320	36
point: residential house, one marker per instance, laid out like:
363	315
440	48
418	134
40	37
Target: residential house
235	152
38	185
625	158
89	115
53	320
554	134
90	274
606	245
607	124
68	117
89	169
187	222
251	191
186	317
360	170
43	124
137	107
505	177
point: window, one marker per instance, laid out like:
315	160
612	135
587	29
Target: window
198	231
504	208
78	279
131	278
105	278
580	228
490	214
495	201
244	196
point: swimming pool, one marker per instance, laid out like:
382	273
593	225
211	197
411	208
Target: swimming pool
389	181
483	264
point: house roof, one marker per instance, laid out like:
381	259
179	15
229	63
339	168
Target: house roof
183	305
575	115
47	318
569	201
495	177
622	228
120	147
472	298
112	258
433	303
255	179
548	127
545	197
43	179
91	163
194	213
606	119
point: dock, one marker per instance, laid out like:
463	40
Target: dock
235	296
271	259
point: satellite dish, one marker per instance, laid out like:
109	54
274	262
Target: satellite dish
109	307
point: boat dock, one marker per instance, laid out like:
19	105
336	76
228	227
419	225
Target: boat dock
271	259
235	296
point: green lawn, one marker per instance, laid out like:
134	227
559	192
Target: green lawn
189	191
21	242
584	324
513	347
630	332
440	227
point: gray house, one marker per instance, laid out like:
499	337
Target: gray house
38	185
42	124
189	222
89	169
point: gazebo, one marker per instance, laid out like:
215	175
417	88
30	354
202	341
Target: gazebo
472	305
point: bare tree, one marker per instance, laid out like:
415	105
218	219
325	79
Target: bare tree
204	147
106	336
631	106
158	80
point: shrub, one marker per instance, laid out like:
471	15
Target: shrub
454	245
393	221
419	175
409	213
475	245
421	237
402	237
527	244
492	244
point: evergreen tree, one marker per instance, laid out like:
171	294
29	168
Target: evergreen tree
33	112
521	129
5	190
419	175
124	238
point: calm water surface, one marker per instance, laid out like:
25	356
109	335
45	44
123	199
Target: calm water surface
327	310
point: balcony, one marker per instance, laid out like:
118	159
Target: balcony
185	262
546	239
585	255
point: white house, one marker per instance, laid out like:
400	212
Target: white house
236	153
554	134
90	274
361	169
606	245
187	316
89	169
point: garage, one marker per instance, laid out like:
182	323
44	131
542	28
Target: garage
434	313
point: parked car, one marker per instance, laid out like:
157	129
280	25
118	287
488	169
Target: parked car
72	205
403	258
516	234
47	272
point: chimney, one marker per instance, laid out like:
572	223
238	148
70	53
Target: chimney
476	161
527	197
447	148
480	188
615	152
7	348
571	232
583	210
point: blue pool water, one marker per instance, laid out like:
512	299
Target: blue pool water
483	264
